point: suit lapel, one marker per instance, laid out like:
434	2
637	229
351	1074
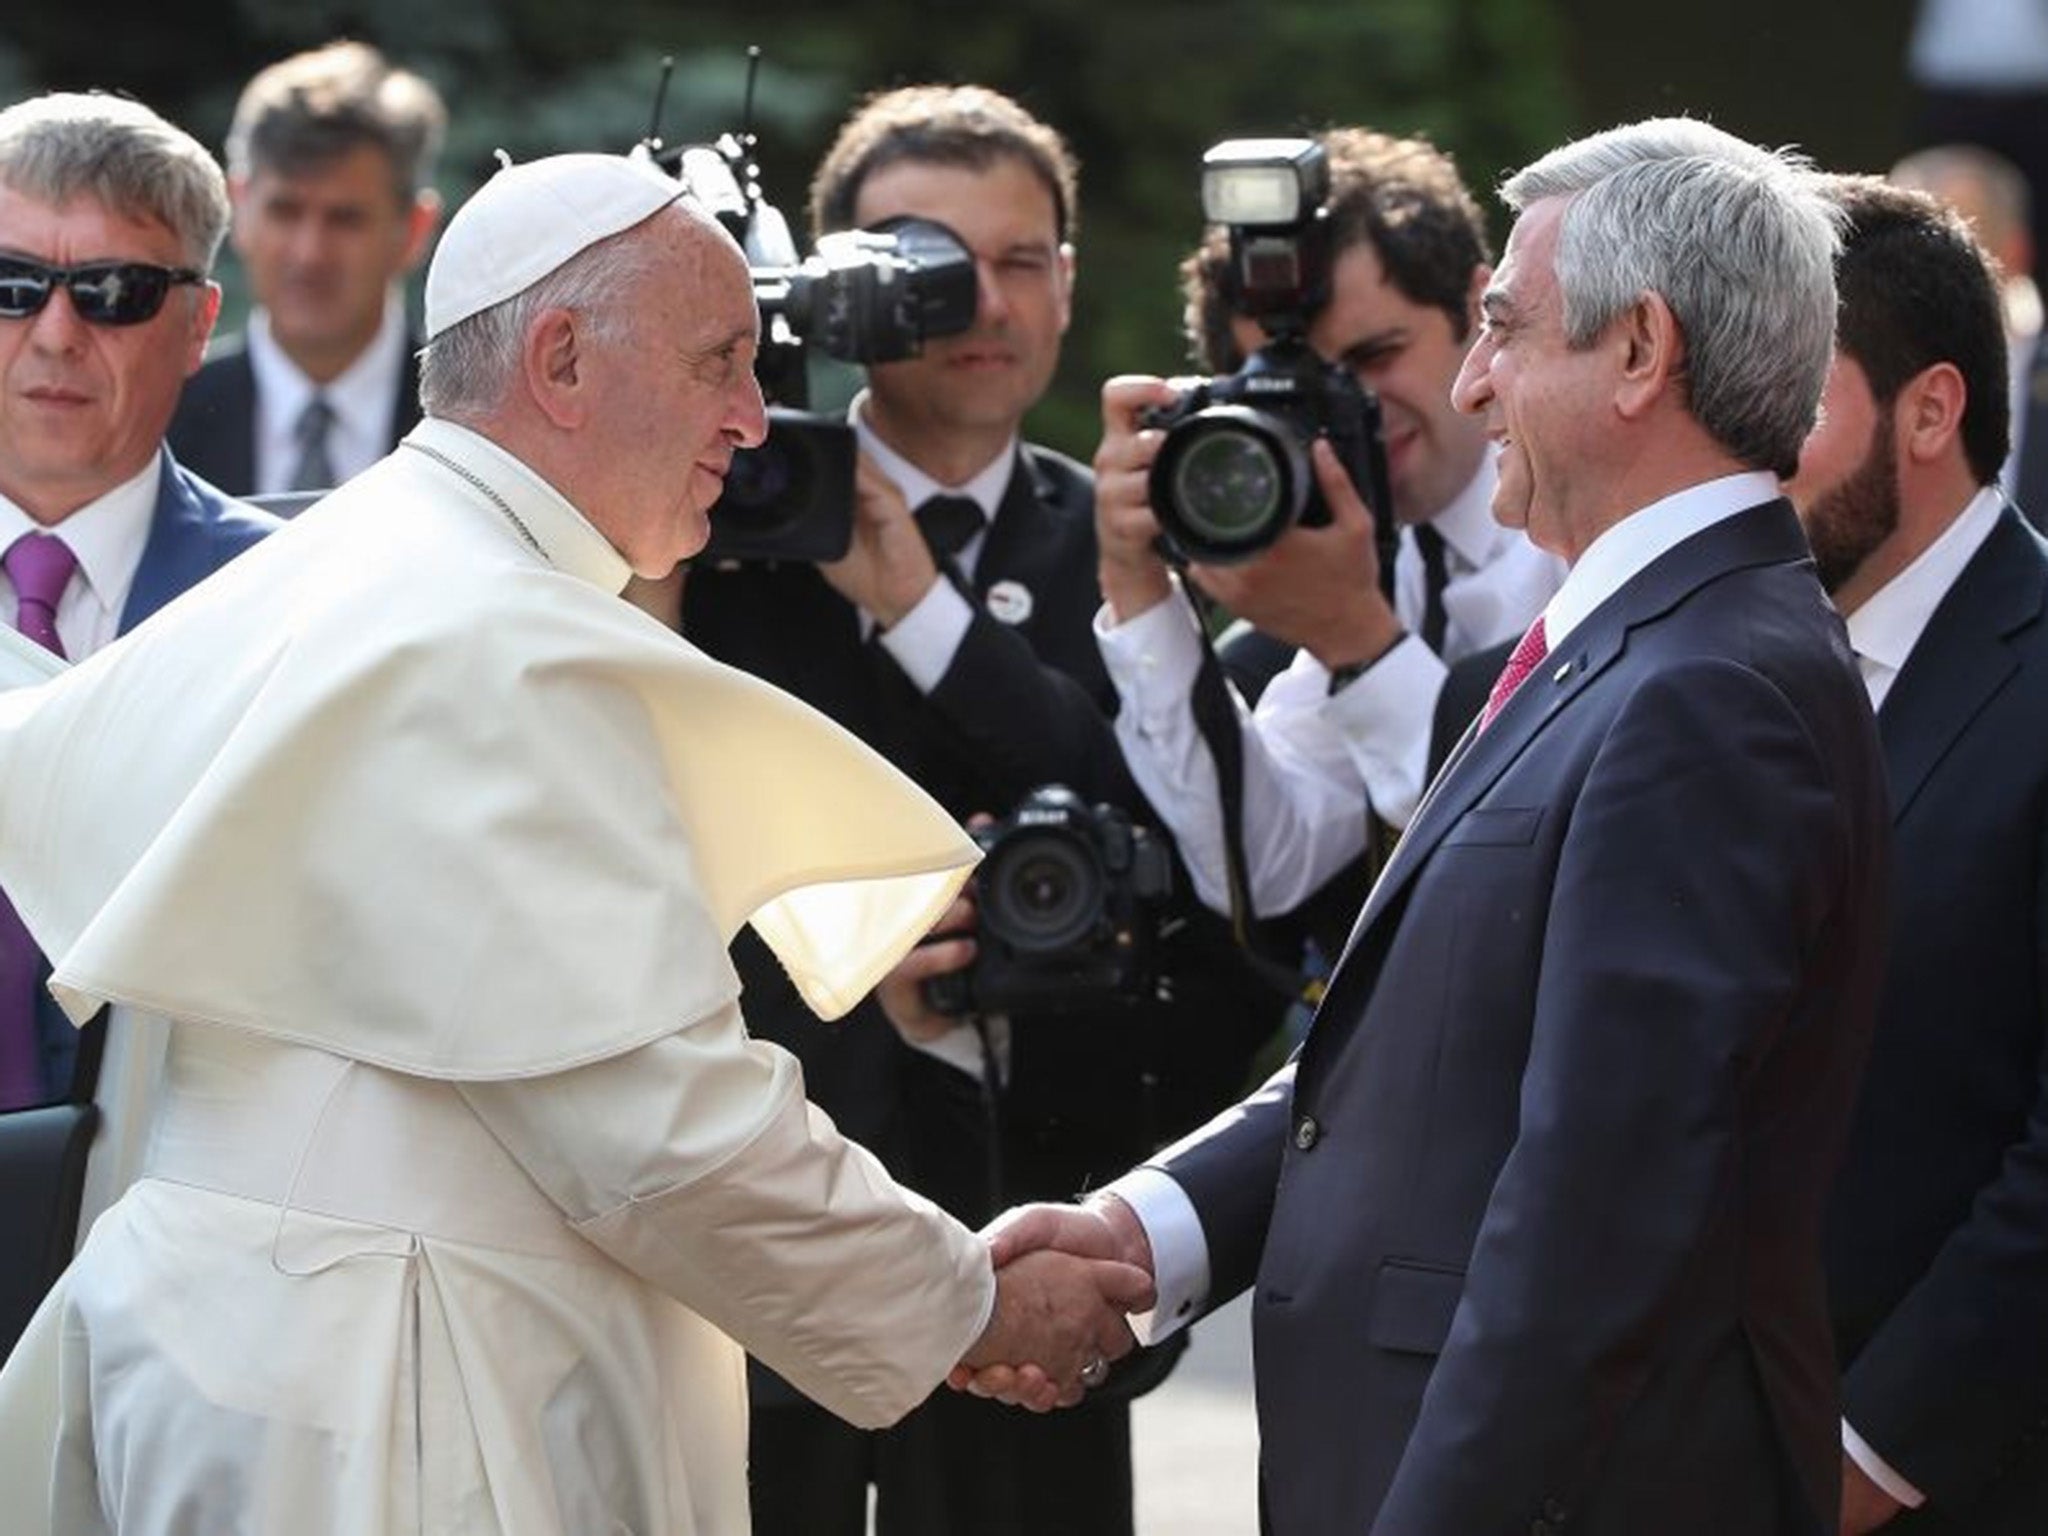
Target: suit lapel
178	553
1962	657
232	423
1766	534
1012	549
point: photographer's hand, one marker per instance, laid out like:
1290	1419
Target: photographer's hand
889	567
1134	577
1318	588
949	947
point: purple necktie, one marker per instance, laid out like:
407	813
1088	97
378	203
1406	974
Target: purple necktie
39	565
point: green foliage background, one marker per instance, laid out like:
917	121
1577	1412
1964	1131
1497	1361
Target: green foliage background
1140	89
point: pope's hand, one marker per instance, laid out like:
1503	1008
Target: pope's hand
1106	1237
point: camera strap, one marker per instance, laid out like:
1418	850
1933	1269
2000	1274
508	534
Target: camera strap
1214	707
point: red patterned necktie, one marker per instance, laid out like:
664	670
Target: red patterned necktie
1526	657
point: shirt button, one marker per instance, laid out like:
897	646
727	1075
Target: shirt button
1306	1132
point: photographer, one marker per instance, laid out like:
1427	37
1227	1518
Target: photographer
1342	735
962	650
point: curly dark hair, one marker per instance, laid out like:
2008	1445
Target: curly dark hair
1403	195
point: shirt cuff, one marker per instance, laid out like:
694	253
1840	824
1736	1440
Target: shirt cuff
1878	1470
1180	1251
1152	658
1384	717
925	639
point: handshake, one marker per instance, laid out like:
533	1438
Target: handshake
1066	1277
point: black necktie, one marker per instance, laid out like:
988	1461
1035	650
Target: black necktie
949	524
1434	577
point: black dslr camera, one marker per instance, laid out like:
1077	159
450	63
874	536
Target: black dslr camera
1234	472
1070	897
866	296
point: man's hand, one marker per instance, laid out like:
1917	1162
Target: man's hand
889	567
1318	588
1106	1232
949	947
1134	577
1061	1313
1865	1506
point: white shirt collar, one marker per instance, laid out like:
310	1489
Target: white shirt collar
364	397
106	535
1889	624
1632	543
986	488
567	539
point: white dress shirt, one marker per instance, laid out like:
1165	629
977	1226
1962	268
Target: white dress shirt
1314	763
1180	1253
364	398
107	536
925	639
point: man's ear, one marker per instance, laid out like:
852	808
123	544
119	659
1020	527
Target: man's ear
421	219
555	367
1928	414
204	313
1651	353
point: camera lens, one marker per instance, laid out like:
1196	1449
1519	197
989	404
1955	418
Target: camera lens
1226	484
789	499
1228	481
760	477
1041	892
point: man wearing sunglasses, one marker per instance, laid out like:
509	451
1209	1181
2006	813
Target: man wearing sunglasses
109	220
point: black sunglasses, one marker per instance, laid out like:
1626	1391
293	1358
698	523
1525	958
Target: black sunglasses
103	292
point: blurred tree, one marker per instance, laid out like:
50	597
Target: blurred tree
1141	90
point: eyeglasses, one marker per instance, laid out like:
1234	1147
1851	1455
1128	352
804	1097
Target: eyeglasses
103	292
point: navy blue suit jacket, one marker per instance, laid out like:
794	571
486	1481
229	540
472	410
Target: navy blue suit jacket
1938	1232
214	430
1534	1218
193	532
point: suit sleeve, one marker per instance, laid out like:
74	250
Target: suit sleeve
1230	1169
1957	1375
1704	868
1023	722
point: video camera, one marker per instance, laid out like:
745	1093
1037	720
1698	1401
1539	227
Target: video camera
1234	472
1070	901
865	296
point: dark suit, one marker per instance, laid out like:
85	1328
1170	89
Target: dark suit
1938	1232
194	530
2029	483
214	430
1089	1092
1535	1215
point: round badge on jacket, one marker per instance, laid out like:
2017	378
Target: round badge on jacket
1009	602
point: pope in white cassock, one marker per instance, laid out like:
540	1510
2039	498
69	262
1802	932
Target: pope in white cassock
466	1176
